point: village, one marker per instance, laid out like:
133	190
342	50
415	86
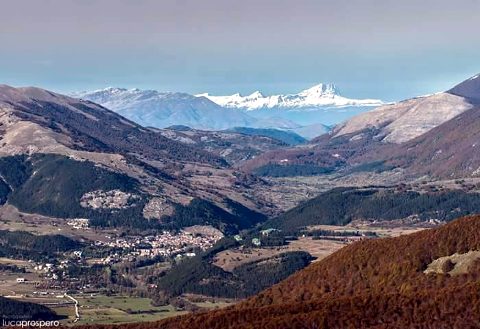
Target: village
110	249
165	244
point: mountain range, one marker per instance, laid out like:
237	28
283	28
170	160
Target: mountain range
235	145
161	110
417	135
423	136
66	158
307	113
318	96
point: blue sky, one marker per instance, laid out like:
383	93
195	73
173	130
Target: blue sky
377	49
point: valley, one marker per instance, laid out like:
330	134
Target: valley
106	221
255	164
119	292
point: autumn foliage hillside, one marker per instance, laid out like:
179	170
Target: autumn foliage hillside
370	284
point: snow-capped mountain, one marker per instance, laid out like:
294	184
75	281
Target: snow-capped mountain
318	96
305	113
164	109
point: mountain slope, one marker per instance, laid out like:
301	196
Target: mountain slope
377	134
312	131
448	151
161	110
469	88
321	95
408	119
235	145
375	283
107	154
85	126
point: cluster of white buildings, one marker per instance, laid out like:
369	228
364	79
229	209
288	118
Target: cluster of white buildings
165	244
79	223
50	270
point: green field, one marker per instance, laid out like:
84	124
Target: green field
119	309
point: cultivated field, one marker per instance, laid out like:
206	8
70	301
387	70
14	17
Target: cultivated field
102	309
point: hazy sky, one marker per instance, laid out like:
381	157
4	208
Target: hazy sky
380	49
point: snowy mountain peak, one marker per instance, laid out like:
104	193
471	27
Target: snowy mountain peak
256	94
319	96
321	89
303	111
110	90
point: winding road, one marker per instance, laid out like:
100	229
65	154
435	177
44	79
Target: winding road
77	313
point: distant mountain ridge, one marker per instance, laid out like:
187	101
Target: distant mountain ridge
318	96
288	137
164	109
307	113
234	145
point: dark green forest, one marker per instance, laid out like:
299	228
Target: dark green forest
25	245
340	206
199	276
202	212
15	310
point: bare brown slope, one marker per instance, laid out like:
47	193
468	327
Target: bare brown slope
234	147
447	151
325	151
370	135
93	127
369	284
33	120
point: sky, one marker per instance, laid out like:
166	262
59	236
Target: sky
370	49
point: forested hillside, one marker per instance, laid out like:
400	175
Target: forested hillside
68	158
199	275
378	283
55	186
340	206
58	185
24	245
201	212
